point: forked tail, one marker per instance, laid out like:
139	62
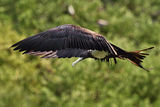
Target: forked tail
135	57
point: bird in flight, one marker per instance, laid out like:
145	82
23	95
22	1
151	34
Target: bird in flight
66	41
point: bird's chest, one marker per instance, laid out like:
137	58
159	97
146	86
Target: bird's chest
99	54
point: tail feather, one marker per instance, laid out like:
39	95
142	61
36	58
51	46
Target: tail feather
135	57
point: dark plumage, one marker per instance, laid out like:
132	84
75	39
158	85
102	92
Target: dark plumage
68	41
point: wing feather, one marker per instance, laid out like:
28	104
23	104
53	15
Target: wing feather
66	53
64	37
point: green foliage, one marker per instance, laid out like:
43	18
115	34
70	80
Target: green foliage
28	81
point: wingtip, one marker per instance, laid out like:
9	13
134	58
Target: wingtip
145	69
148	48
15	44
151	48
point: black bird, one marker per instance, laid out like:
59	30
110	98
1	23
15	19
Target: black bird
68	41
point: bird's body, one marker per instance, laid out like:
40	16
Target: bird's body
99	54
68	41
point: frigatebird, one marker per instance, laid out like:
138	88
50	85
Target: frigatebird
66	41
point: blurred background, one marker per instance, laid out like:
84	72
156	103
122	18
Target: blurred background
29	81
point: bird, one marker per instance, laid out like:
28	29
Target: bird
66	41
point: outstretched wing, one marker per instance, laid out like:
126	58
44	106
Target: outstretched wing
64	37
